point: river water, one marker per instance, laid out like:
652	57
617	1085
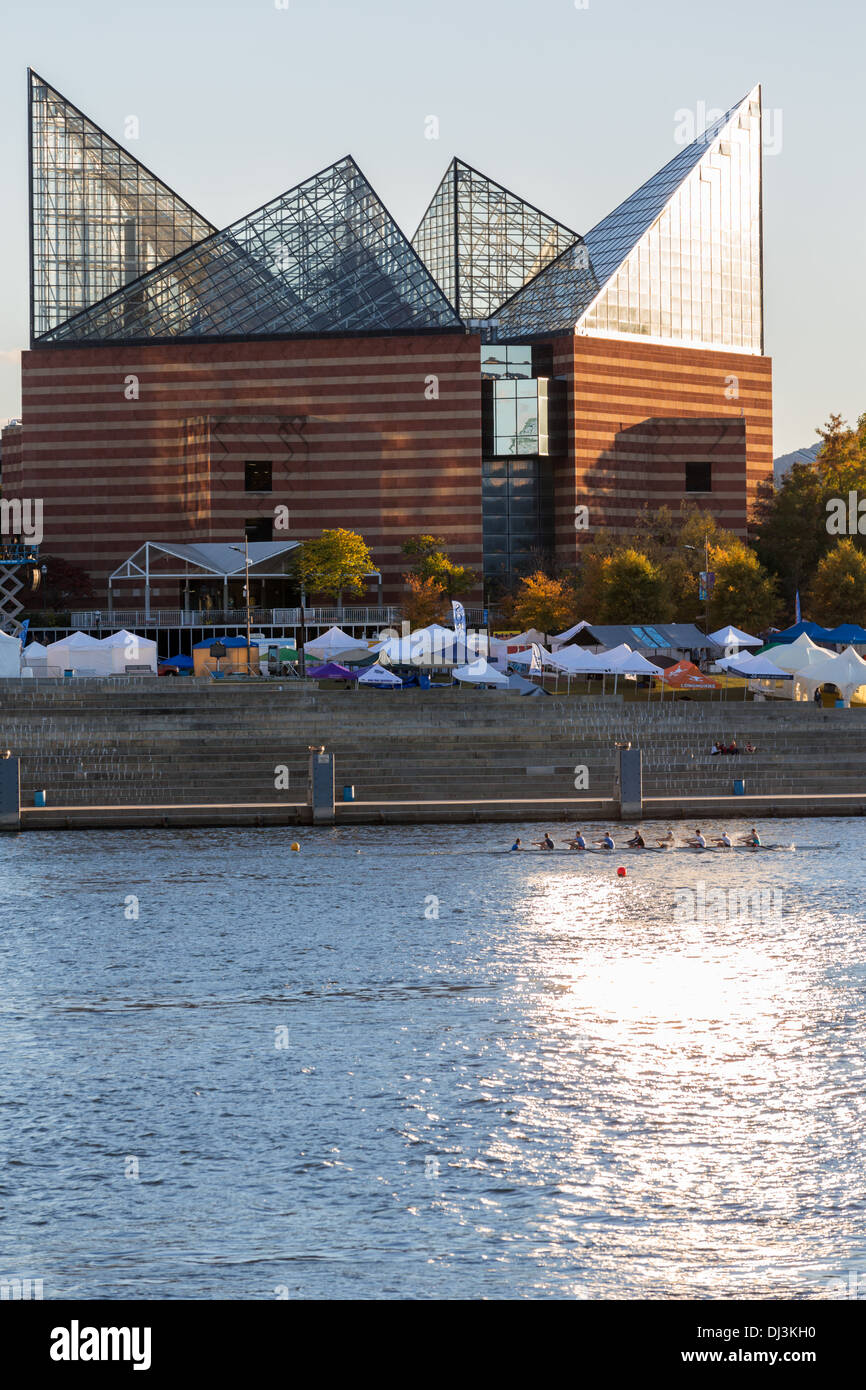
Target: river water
400	1065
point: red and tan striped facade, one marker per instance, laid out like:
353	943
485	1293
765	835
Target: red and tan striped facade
381	435
378	434
638	412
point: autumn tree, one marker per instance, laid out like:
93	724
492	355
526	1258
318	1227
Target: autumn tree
543	603
432	561
838	592
424	601
335	563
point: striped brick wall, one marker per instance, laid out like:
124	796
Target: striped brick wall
353	428
638	411
358	437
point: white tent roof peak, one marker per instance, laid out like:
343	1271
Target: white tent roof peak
795	656
734	637
378	675
524	657
562	637
121	638
76	641
479	672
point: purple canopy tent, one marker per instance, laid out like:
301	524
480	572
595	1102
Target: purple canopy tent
332	671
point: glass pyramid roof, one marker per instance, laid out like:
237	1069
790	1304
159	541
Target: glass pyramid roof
99	218
678	260
482	243
326	257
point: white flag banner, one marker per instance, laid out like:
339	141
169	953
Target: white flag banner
459	630
535	660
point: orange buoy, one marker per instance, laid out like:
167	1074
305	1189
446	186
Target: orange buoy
621	871
295	846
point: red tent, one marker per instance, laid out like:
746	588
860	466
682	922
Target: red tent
686	676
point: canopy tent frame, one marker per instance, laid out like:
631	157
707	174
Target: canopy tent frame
211	562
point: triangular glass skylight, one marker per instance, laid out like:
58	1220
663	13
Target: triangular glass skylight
481	243
325	257
99	218
679	261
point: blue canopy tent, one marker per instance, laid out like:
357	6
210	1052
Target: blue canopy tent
226	641
790	634
846	634
181	661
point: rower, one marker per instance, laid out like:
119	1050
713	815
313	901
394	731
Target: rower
578	842
667	840
724	841
698	842
517	844
545	843
637	841
607	842
753	839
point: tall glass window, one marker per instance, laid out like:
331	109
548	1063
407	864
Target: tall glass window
695	276
517	513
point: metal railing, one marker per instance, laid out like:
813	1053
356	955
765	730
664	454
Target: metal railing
113	619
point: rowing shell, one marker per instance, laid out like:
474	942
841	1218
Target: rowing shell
669	849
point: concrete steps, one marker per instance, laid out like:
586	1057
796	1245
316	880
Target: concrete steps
88	743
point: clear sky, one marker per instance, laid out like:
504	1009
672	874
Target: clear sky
570	107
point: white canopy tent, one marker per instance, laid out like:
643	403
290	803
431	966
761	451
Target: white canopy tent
10	655
430	646
525	657
796	656
568	635
326	646
35	657
82	654
378	675
577	661
734	637
755	667
847	672
518	642
622	661
128	649
480	672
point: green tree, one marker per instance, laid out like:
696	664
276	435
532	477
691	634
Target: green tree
335	563
744	594
791	522
543	603
432	561
838	591
791	527
632	589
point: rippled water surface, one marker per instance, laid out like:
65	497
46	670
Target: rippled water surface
397	1064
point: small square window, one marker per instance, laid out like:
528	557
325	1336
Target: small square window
699	477
259	528
258	476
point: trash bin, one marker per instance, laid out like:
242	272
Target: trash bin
38	798
739	786
348	793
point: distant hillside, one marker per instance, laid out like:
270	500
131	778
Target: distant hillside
786	461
